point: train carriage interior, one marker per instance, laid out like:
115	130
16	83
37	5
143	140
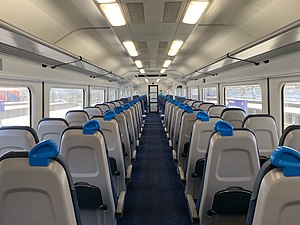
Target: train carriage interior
147	112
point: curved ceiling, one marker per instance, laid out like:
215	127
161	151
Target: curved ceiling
79	27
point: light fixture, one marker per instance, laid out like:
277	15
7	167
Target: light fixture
106	1
167	63
130	47
175	46
142	71
194	11
157	80
138	63
114	14
147	81
163	70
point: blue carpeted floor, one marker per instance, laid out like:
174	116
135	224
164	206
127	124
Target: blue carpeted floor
155	194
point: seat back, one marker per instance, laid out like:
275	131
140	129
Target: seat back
174	118
205	106
77	117
110	130
85	152
291	137
93	111
202	131
103	107
196	104
215	110
51	128
265	129
17	138
110	105
177	124
190	102
276	198
36	187
130	124
231	166
234	116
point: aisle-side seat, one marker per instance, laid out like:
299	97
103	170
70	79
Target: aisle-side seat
77	117
93	111
51	128
131	129
231	166
234	116
276	197
177	124
265	129
202	131
17	138
36	188
291	137
216	110
85	152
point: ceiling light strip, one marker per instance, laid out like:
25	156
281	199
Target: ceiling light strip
175	46
130	47
114	14
194	11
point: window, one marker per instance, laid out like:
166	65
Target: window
113	94
63	100
210	94
97	96
14	106
291	104
125	92
247	97
194	93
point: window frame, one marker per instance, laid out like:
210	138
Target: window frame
97	88
217	93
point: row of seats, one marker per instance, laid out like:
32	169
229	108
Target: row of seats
223	162
86	150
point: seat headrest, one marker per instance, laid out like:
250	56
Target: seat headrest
109	115
119	109
188	109
42	152
203	116
126	106
225	128
287	159
90	127
181	105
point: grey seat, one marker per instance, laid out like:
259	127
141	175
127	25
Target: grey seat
77	117
36	188
202	131
234	116
265	129
205	106
190	102
276	198
103	107
51	128
17	138
131	129
216	110
196	104
110	130
93	111
85	152
231	166
177	124
291	137
110	105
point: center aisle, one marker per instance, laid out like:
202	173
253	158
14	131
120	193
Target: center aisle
155	194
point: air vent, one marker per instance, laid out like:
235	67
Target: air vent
162	47
171	11
144	52
136	12
142	45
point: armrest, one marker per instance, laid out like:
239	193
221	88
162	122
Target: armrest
120	206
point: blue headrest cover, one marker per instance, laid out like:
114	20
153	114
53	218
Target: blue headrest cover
225	128
42	152
126	106
131	103
181	105
188	109
203	116
287	159
90	127
119	109
109	115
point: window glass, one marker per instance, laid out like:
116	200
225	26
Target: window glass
247	97
14	106
210	94
97	96
194	93
113	94
291	104
63	100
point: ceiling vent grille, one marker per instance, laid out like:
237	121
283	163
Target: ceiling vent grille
136	12
171	11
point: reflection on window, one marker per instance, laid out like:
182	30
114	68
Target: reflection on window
63	100
247	97
210	94
291	104
125	92
194	94
14	106
97	96
113	94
